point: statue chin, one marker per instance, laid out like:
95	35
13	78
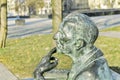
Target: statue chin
65	52
59	50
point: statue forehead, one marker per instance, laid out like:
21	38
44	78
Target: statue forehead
67	30
71	24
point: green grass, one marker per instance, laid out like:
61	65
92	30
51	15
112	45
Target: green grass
110	48
117	28
22	55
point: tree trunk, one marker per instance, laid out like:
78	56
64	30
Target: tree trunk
0	14
3	28
56	14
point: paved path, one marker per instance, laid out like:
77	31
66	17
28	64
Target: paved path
53	76
110	34
107	21
35	26
5	74
32	26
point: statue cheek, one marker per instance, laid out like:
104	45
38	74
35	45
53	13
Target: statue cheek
69	47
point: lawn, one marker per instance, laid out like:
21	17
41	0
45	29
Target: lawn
22	55
117	28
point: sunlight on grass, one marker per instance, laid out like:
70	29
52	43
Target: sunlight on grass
117	28
110	48
22	55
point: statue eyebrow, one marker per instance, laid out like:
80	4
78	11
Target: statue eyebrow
64	35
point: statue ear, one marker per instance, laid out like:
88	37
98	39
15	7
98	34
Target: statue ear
80	43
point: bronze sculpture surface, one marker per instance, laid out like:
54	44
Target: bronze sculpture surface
47	63
75	38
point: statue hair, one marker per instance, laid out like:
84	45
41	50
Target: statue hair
84	28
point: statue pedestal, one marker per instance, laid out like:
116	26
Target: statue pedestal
46	79
62	75
54	75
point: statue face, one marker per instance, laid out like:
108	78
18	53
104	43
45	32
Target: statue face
74	34
65	40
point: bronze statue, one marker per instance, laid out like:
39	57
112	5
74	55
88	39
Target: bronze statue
75	38
47	63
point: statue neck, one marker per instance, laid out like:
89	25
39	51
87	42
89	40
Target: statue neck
82	52
85	61
86	53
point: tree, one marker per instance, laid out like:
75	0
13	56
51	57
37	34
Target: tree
35	4
0	14
56	14
3	26
40	4
30	4
17	7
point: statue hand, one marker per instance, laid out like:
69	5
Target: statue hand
47	63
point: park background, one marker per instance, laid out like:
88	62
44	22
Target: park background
21	55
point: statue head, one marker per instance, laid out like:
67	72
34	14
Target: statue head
75	33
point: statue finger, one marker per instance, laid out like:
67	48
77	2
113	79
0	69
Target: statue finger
54	62
52	51
48	56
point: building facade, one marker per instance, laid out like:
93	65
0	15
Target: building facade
23	9
14	10
47	9
104	4
72	4
11	7
92	4
80	4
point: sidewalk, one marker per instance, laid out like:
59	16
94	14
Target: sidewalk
35	26
5	74
113	34
107	21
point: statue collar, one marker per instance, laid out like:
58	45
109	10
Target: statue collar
89	56
86	60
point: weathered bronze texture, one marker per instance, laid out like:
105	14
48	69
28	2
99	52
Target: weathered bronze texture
47	63
75	38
